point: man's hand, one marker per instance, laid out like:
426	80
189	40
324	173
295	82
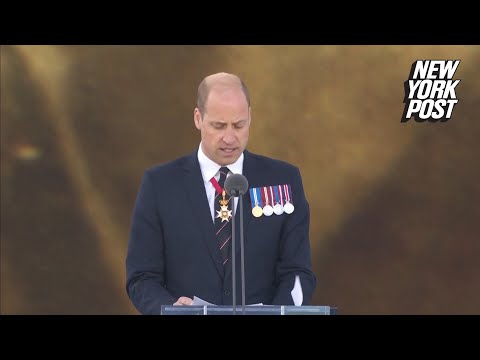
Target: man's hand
183	300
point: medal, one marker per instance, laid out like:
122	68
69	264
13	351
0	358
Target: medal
267	209
288	207
224	213
278	209
257	211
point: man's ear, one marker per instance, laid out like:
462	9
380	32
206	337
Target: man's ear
197	118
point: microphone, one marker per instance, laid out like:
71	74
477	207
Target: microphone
236	185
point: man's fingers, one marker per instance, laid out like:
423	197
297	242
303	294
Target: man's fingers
183	300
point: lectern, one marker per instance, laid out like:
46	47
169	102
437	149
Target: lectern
249	310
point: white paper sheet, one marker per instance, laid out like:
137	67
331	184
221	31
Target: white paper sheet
297	293
200	301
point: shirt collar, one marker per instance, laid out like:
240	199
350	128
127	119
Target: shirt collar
210	168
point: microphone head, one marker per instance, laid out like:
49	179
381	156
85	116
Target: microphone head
236	185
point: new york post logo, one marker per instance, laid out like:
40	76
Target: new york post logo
430	91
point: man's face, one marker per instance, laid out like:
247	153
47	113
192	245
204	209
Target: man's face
225	125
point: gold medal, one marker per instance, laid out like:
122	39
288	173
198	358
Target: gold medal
257	211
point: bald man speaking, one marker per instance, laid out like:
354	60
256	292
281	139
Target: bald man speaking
181	230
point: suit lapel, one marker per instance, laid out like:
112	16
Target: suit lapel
201	210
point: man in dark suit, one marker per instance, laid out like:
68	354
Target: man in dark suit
180	236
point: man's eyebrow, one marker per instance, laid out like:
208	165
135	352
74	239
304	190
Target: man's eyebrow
239	121
221	122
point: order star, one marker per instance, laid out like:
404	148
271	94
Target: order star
224	214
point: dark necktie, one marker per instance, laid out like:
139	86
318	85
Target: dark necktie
223	217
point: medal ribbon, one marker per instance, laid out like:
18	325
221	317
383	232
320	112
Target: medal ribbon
277	199
287	193
216	185
258	197
253	197
271	195
265	196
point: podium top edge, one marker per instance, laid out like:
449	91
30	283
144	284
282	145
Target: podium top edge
248	310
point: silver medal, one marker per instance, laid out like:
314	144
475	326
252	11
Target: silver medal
278	209
267	210
288	207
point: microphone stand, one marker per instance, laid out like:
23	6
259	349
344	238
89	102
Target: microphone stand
237	185
242	254
234	282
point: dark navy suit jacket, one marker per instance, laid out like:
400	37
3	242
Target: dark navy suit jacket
172	249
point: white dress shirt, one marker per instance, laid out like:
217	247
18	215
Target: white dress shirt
210	169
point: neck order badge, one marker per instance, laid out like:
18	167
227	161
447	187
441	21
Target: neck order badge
224	213
223	226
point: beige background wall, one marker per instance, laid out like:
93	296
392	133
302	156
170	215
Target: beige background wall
395	207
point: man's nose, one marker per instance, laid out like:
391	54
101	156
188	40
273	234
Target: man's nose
229	136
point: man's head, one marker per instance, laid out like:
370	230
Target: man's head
223	117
